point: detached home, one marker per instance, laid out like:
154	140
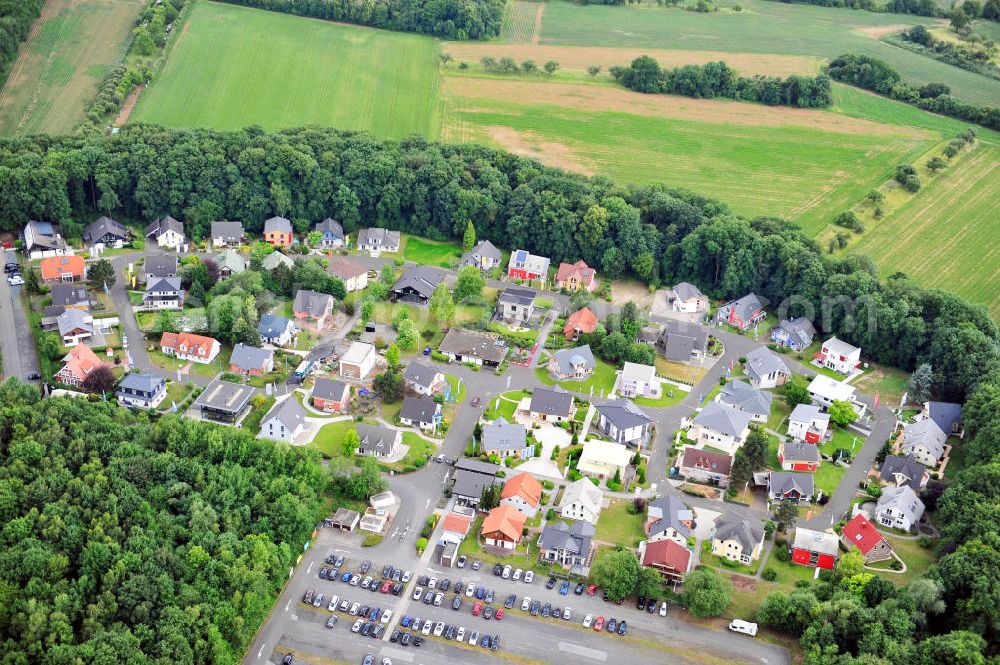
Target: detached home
275	330
523	492
484	256
358	361
60	269
251	361
312	306
469	477
165	293
505	439
41	241
576	277
550	405
688	298
516	305
105	233
705	465
75	326
808	423
378	440
467	346
285	421
576	364
330	395
766	369
70	296
231	263
738	538
569	545
603	459
839	356
227	234
582	500
166	232
744	312
424	379
799	457
741	396
816	549
863	535
78	364
947	416
624	422
720	427
141	391
278	232
332	232
188	346
899	508
422	412
580	322
159	266
416	285
667	518
670	560
503	526
378	240
903	471
275	259
925	441
796	334
825	390
353	275
526	266
682	342
639	381
797	487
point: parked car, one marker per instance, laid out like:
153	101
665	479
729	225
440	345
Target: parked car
355	609
356	628
432	583
663	609
386	587
480	592
477	609
536	607
332	621
386	616
651	606
407	621
345	605
474	638
485	642
438	629
469	590
499	615
567	614
511	599
547	610
405	639
495	643
418	592
428	627
745	627
396	634
564	588
488	612
517	575
525	604
551	583
588	620
323	572
456	603
288	659
641	603
308	597
339	562
397	588
489	596
622	627
460	636
318	600
598	623
477	564
556	613
461	561
438	599
498	569
333	603
591	589
612	625
406	577
444	585
579	589
505	573
529	576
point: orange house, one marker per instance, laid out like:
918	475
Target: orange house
278	232
80	362
579	323
56	269
503	527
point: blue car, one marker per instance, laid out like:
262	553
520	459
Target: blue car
374	614
346	577
427	350
407	620
564	589
480	593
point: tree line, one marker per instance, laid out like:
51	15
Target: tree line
975	56
916	7
878	76
16	17
657	233
717	79
448	19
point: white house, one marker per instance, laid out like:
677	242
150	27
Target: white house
523	492
825	390
808	423
602	459
422	412
623	422
75	326
284	421
41	241
358	362
582	500
227	234
353	275
165	293
638	381
766	369
667	518
925	441
721	427
688	298
424	379
839	356
166	232
737	538
275	330
899	508
378	240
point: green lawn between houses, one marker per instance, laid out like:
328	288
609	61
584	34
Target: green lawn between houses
618	526
431	252
601	382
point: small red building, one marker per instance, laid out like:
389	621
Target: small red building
817	549
799	457
861	533
330	394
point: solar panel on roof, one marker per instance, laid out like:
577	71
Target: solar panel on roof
520	256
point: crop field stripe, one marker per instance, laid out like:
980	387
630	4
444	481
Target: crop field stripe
519	23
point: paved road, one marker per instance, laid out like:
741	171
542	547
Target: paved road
20	358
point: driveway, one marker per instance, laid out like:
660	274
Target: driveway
20	357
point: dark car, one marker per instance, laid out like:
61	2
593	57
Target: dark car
397	588
365	567
34	376
489	596
323	572
456	604
486	641
605	596
339	562
397	575
551	583
612	625
497	569
641	604
288	659
417	640
332	621
480	593
564	588
488	612
427	350
366	629
651	606
308	597
423	580
578	590
511	599
333	575
428	598
495	643
377	631
547	610
396	634
556	613
622	627
405	639
535	606
444	585
365	611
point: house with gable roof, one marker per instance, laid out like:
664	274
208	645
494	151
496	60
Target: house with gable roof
862	534
227	234
422	412
899	471
231	263
766	369
705	465
166	232
925	441
516	304
526	266
275	330
638	380
741	396
75	326
547	405
667	518
738	538
275	259
816	549
799	457
378	440
523	492
378	240
352	274
285	421
42	241
164	293
947	416
78	364
424	379
670	560
250	360
569	545
624	422
797	487
505	439
681	342
899	508
582	500
332	232
576	277
141	390
503	526
688	298
573	364
744	312
721	427
330	395
159	266
278	232
808	423
484	256
105	233
581	322
416	285
312	306
188	346
795	334
839	356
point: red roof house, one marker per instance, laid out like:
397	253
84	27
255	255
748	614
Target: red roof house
188	346
576	276
862	534
667	558
523	492
580	322
502	527
80	362
57	269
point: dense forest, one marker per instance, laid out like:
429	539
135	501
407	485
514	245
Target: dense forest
657	233
717	79
448	19
125	542
16	17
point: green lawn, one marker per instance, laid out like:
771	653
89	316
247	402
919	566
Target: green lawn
789	573
669	396
330	437
252	421
234	66
956	461
717	561
457	390
616	525
208	371
828	476
917	559
176	392
430	252
602	380
842	438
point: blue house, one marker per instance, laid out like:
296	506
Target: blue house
796	334
333	233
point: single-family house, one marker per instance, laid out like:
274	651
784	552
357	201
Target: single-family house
797	487
41	241
165	293
516	305
738	538
285	421
624	422
312	306
422	412
275	259
63	268
637	380
808	423
188	346
903	471
467	346
899	508
503	526
231	263
688	298
743	312
353	275
330	395
576	277
947	416
224	402
574	364
667	518
470	477
276	330
765	369
159	266
603	459
227	234
378	440
358	361
569	545
742	396
416	285
925	441
795	334
166	232
105	233
141	390
839	356
523	492
825	390
582	500
505	439
484	256
378	240
332	233
455	526
705	465
721	427
278	232
670	560
78	364
75	326
250	360
70	296
424	379
581	322
526	266
816	549
863	535
682	342
799	457
550	405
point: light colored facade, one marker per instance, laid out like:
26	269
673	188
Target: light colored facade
839	356
582	500
638	381
358	362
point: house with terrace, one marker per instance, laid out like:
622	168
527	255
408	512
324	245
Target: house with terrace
330	395
899	471
504	439
166	233
576	277
159	266
484	256
795	334
516	305
705	466
808	423
226	234
231	263
62	269
422	412
925	441
582	500
467	346
824	391
581	322
744	312
899	508
576	364
503	526
568	545
667	518
352	274
251	361
637	380
765	369
797	487
141	390
275	330
720	427
670	560
106	233
799	457
416	285
312	306
70	296
816	549
275	259
688	298
75	326
165	293
188	346
946	415
604	460
738	538
839	356
861	534
78	364
469	478
526	267
224	402
378	440
624	422
42	241
523	492
741	396
546	405
424	379
378	240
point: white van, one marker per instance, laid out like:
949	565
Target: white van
745	627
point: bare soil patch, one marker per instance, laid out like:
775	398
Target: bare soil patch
550	153
536	34
880	31
624	290
129	106
742	583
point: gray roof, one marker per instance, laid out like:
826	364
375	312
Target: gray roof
517	295
389	239
677	340
376	438
476	466
623	414
741	395
275	259
762	361
723	419
483	249
488	347
422	279
328	388
800	452
668	511
747	531
272	326
225	396
678	348
161	226
71	319
332	227
906	468
277	224
141	382
232	260
744	307
161	265
68	294
471	484
903	500
575	538
926	433
785	482
551	402
567	359
420	374
249	357
807	413
164	285
227	230
799	328
101	227
504	436
686	291
311	302
945	414
418	409
289	413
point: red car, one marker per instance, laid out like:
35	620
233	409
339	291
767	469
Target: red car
477	609
475	401
598	624
499	614
592	589
386	587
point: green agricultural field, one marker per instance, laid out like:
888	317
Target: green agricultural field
763	27
69	51
232	66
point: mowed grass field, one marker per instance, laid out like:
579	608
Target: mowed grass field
233	66
68	52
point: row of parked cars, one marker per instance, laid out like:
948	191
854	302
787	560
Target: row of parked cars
441	629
